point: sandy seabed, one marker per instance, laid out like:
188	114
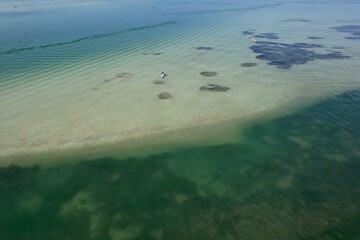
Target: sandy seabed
110	101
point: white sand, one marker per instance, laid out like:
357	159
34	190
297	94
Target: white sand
72	108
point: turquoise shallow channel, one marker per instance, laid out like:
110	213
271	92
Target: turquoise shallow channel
296	177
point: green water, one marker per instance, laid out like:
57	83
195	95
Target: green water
296	177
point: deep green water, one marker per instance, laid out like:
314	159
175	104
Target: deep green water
296	177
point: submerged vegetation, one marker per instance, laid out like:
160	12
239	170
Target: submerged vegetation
354	30
296	177
284	55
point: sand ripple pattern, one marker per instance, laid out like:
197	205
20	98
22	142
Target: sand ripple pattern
68	94
86	38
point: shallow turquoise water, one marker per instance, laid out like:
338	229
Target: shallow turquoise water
296	177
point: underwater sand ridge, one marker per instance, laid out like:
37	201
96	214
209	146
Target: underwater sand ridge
114	104
133	130
224	191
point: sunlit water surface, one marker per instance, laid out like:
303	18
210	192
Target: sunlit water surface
296	177
82	74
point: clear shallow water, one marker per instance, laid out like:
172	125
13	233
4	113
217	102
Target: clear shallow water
55	79
59	86
296	177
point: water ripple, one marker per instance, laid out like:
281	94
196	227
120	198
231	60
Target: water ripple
17	50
